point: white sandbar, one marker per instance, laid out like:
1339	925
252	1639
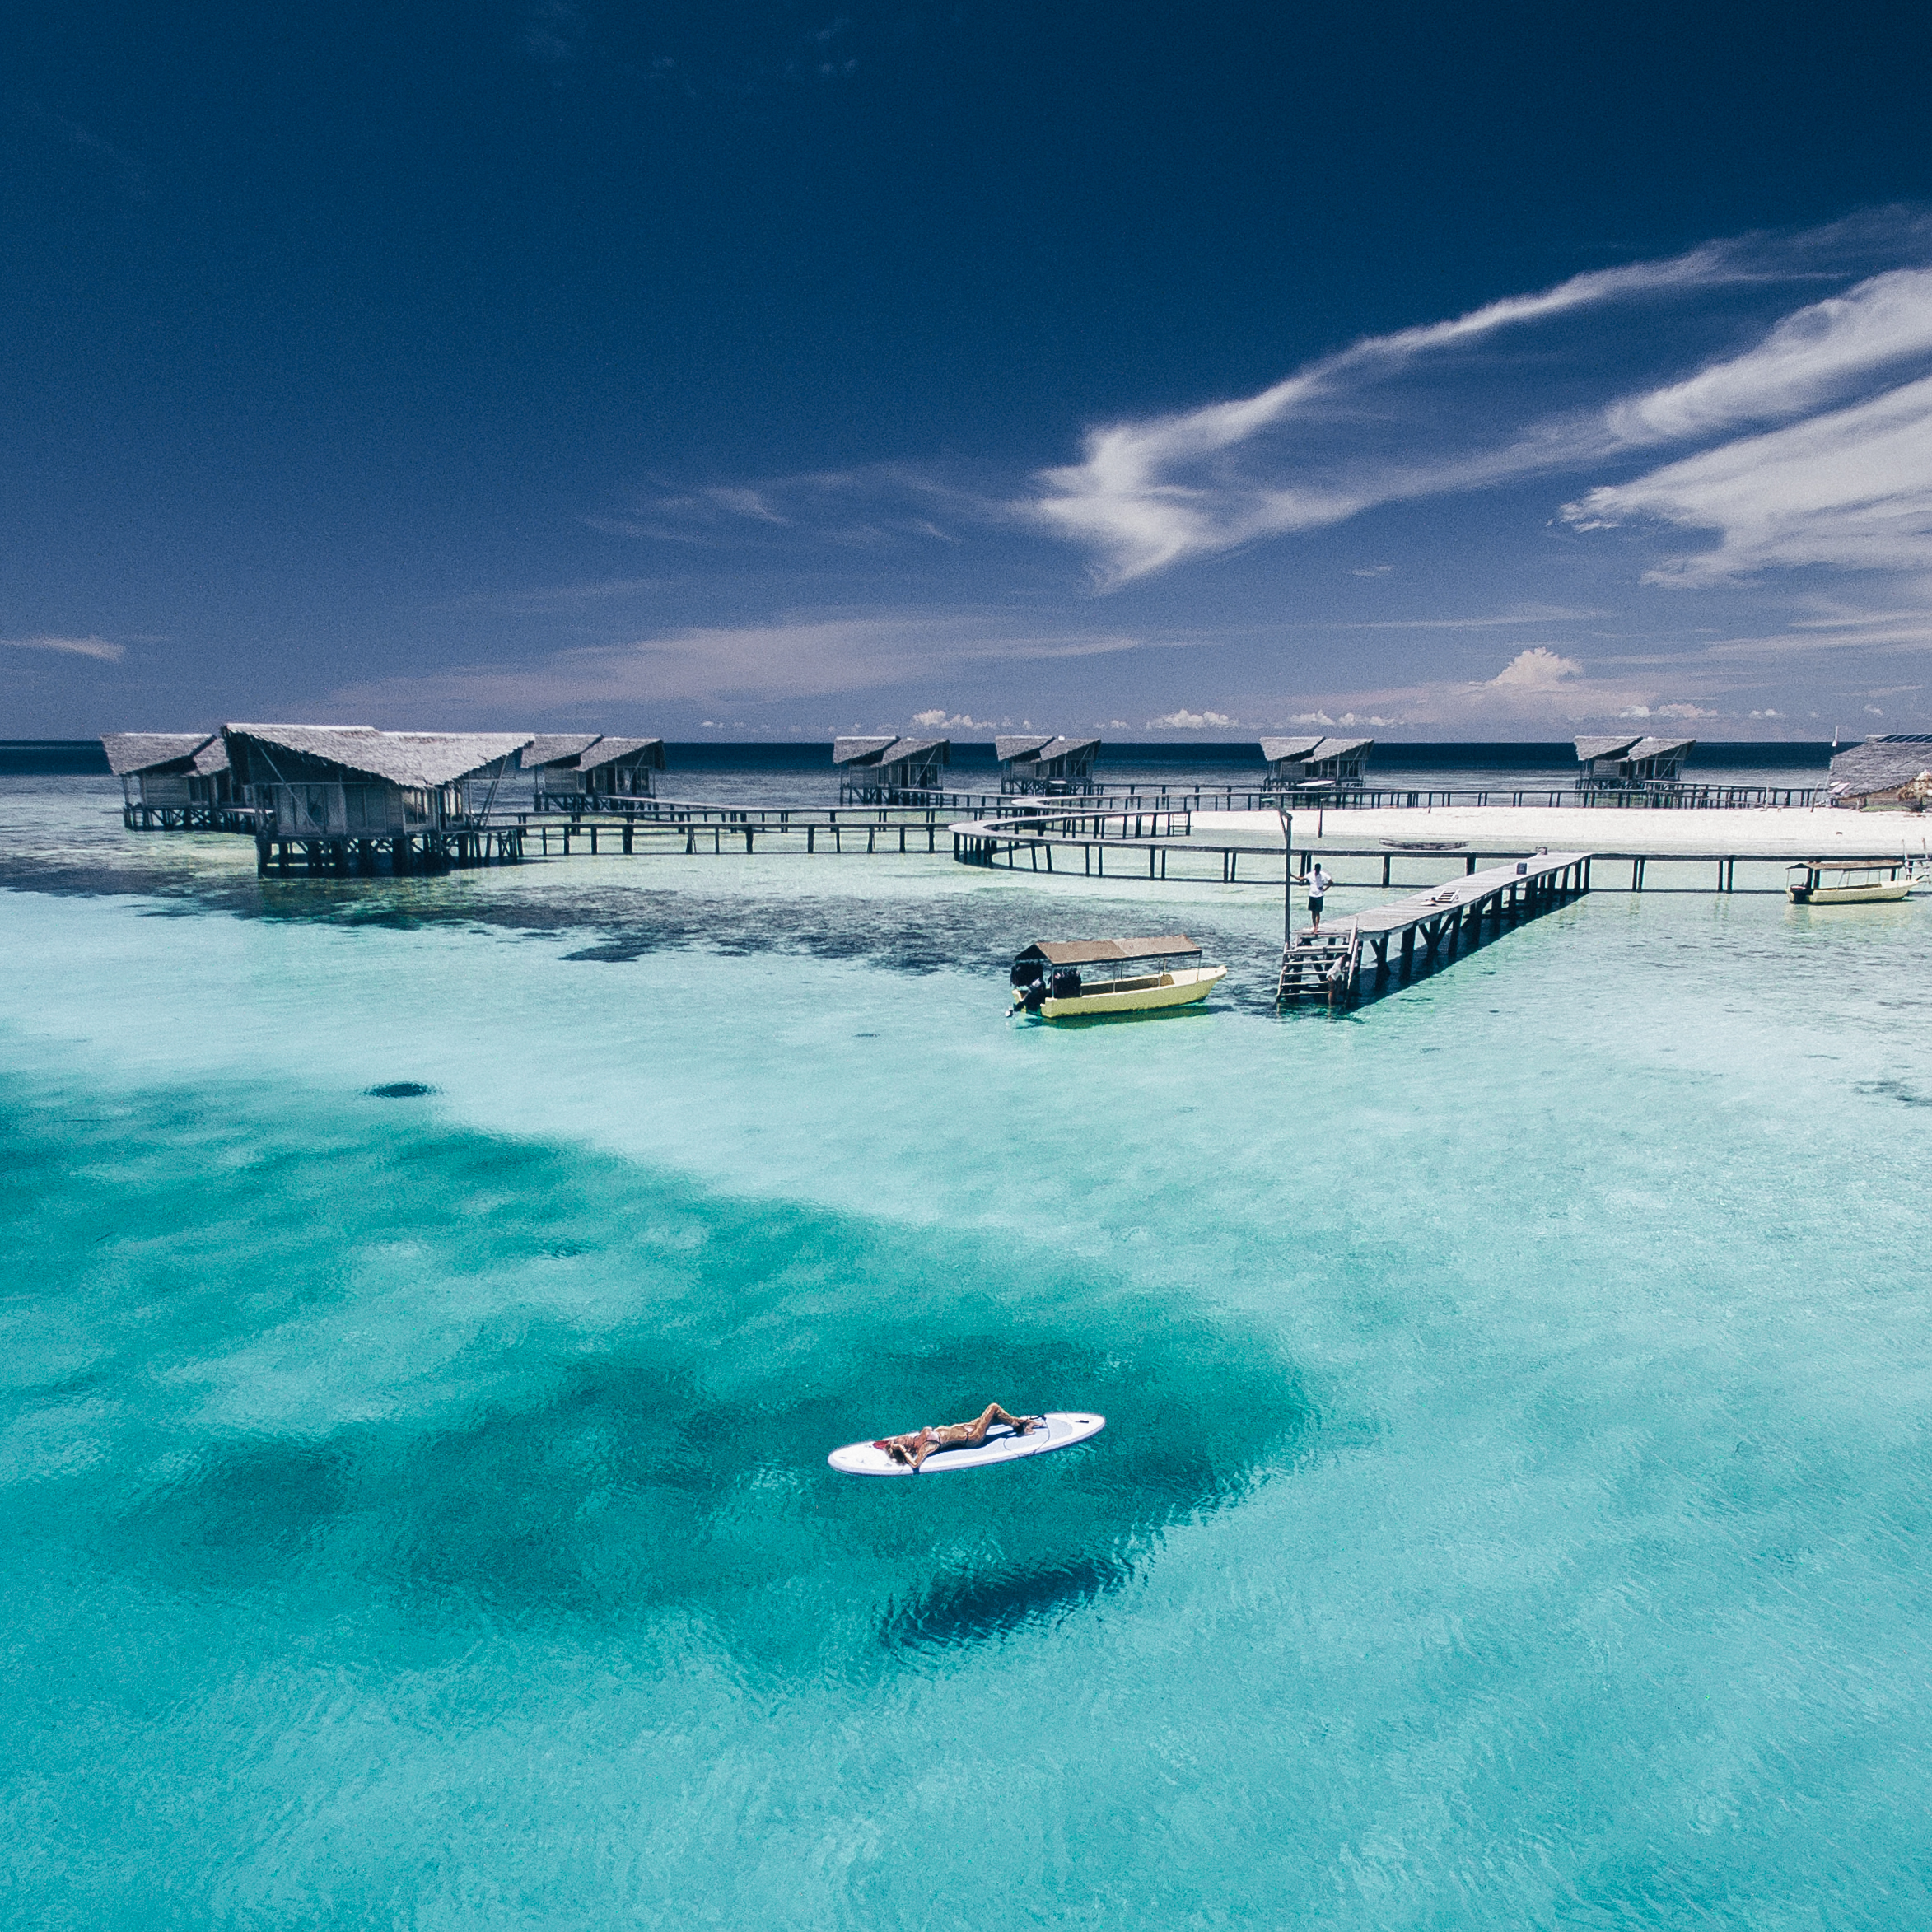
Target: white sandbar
1503	830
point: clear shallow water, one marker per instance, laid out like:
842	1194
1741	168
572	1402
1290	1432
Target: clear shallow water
1512	1509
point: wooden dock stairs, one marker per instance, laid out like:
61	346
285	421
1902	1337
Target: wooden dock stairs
1322	965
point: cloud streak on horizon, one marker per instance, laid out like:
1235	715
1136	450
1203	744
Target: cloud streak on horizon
804	658
98	647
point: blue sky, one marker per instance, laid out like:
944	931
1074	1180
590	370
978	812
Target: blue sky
760	371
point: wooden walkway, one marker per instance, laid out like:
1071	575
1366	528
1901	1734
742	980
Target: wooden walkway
1329	965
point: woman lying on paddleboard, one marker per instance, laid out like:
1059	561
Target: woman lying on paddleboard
915	1448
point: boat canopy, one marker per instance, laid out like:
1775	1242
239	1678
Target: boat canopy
1881	865
1089	952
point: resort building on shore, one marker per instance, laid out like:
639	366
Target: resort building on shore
1631	763
1316	761
1893	773
582	770
1046	763
171	780
346	782
889	771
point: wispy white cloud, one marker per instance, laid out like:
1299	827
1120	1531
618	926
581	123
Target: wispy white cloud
126	170
1306	452
1803	363
1851	488
101	647
1150	493
1530	614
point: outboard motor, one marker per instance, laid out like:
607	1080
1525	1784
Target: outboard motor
1035	997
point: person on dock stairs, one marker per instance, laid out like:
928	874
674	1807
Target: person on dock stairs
917	1446
1318	883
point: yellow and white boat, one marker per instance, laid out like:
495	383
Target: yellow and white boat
1848	882
1092	979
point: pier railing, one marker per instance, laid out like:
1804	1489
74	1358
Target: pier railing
1178	802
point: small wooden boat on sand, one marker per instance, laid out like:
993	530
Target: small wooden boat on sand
1093	978
1848	882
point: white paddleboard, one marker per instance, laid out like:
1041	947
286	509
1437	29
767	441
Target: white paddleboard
1058	1430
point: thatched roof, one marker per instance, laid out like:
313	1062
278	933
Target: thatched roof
1088	952
613	751
1068	748
860	751
1340	748
1274	749
212	757
1588	750
1659	747
403	757
1007	749
1880	764
556	747
903	748
147	751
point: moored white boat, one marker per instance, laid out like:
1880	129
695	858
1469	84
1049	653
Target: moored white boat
1121	976
1853	882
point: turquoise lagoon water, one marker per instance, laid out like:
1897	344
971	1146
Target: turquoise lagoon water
1512	1511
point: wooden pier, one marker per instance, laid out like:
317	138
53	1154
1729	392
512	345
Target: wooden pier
393	851
1330	965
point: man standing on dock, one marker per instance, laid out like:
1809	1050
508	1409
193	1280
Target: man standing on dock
1318	889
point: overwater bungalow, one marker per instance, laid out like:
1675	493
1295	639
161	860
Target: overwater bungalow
889	771
337	783
1334	762
583	771
173	780
1044	763
1598	759
1631	764
1889	773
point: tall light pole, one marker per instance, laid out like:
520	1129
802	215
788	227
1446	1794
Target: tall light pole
1287	818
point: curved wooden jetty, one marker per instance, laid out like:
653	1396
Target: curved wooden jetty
1328	965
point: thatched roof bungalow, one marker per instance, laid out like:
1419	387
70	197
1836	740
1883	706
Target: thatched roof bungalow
346	781
1598	758
1882	774
169	778
889	771
1043	762
1311	761
1657	761
1631	762
583	769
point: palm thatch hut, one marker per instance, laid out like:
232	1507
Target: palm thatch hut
890	770
1046	763
1336	762
1631	764
347	782
1890	772
173	780
582	770
1599	758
